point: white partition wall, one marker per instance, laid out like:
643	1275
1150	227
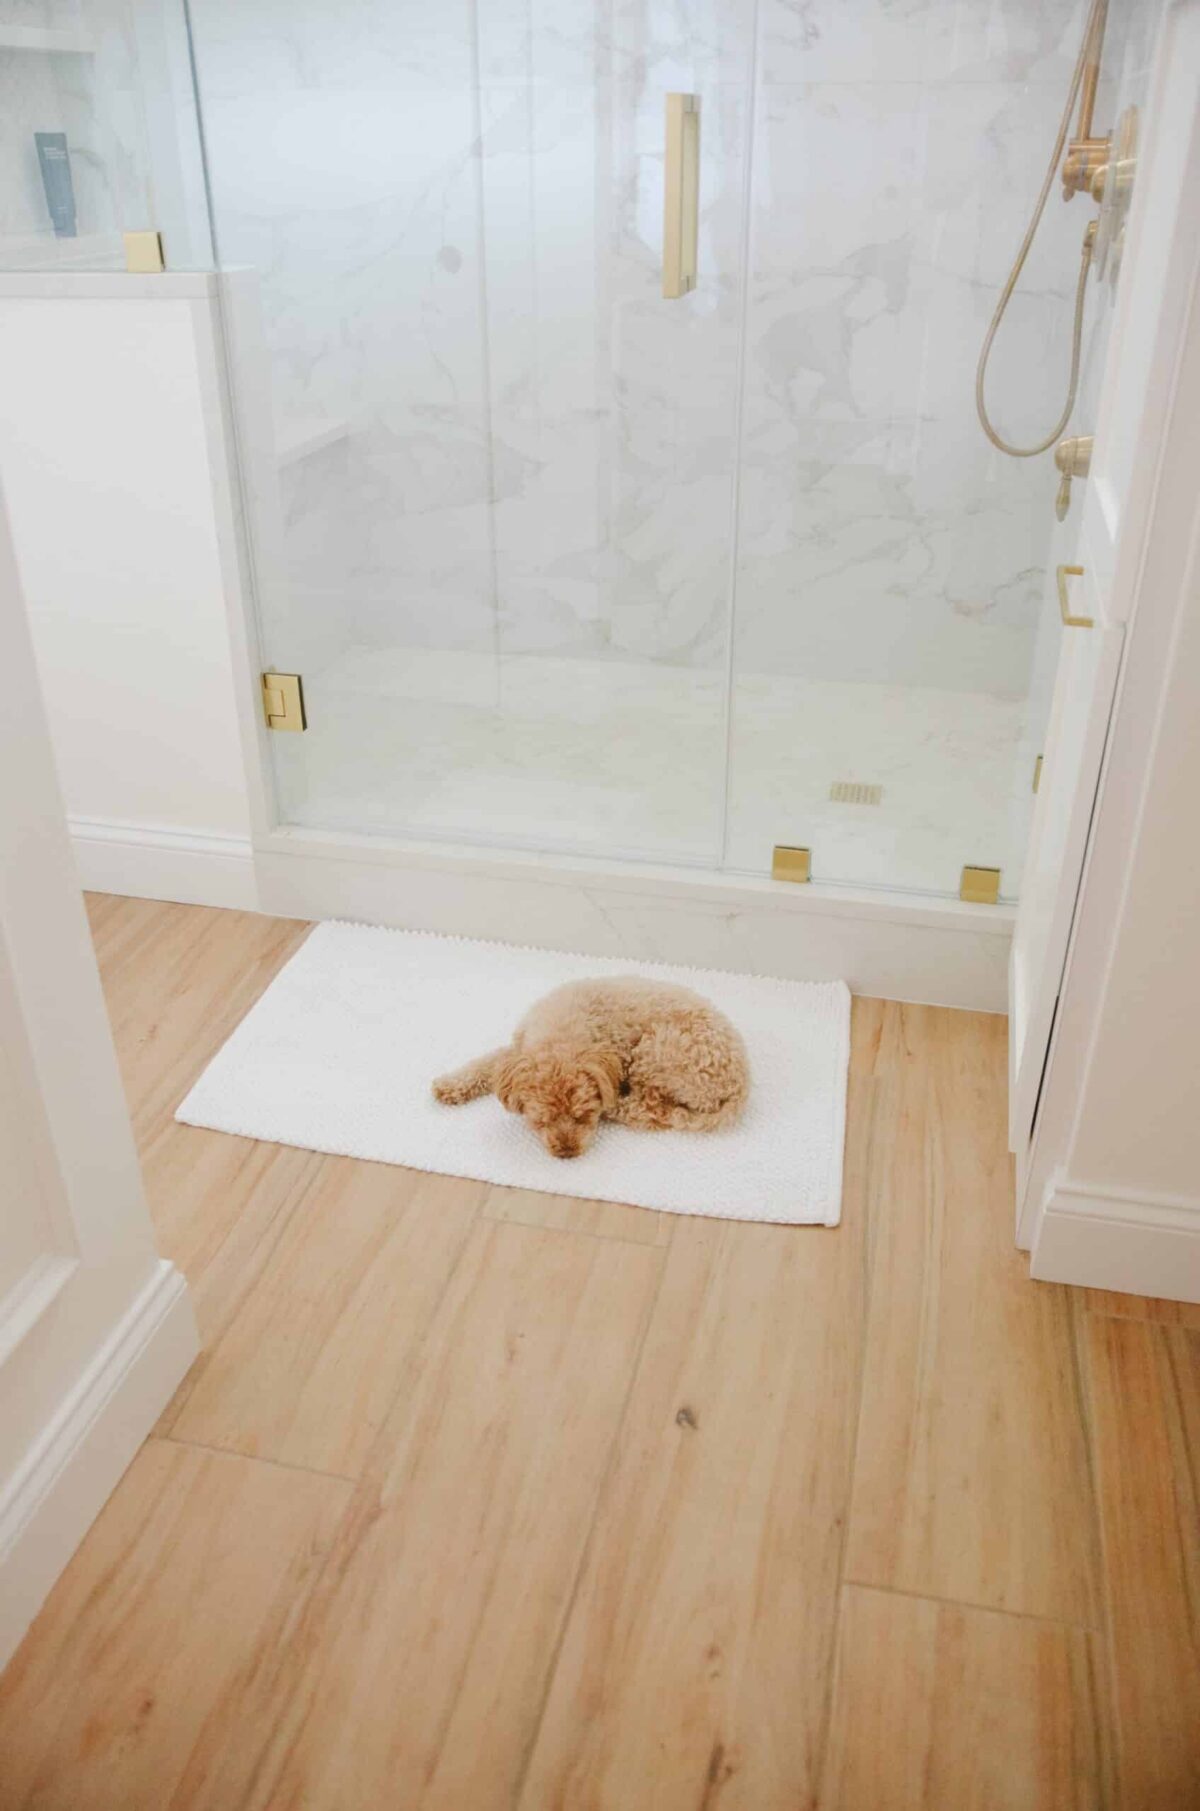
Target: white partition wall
95	1328
119	496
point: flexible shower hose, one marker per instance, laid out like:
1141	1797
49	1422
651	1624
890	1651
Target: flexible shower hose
1085	260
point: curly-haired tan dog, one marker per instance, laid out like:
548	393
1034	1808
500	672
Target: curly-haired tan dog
642	1053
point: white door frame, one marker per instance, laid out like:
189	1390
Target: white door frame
1109	1188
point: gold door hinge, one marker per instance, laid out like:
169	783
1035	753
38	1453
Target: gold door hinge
791	864
144	253
283	701
980	886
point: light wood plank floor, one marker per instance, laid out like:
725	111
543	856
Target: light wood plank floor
481	1499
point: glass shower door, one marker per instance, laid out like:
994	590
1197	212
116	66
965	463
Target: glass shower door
491	468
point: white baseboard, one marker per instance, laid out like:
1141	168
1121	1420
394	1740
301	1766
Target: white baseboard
64	1481
899	947
1136	1244
155	861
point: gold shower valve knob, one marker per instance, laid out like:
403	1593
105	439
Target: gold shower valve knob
1073	457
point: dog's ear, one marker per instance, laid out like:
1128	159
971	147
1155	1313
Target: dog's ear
511	1078
607	1069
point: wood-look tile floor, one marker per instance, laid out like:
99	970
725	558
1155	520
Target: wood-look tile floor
479	1498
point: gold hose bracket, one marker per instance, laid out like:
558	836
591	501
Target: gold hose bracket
1087	152
1084	157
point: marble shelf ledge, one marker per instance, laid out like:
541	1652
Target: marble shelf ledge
298	439
45	38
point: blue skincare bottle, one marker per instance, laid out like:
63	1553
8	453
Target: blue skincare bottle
55	162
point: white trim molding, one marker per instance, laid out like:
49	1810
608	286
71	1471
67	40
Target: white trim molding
160	861
63	1482
1119	1239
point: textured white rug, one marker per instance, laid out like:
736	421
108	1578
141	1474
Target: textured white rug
339	1052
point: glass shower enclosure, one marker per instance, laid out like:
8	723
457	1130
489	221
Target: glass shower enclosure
571	564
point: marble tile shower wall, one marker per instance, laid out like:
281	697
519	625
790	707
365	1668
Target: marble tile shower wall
341	146
898	150
456	212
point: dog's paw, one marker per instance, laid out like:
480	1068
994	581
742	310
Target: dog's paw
450	1091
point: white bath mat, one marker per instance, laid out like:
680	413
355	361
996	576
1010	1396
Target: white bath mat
339	1052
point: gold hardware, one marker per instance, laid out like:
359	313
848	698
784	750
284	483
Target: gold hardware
1112	187
1074	460
791	864
1084	157
1075	456
1113	180
144	253
681	195
1087	151
1037	773
980	886
283	701
1064	607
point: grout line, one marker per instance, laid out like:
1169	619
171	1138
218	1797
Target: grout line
821	1748
586	1546
415	1359
250	1274
1166	1323
1105	1688
1083	1410
231	1452
967	1603
583	1232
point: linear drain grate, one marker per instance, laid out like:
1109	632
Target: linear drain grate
854	792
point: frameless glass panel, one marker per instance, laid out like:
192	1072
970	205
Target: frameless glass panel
492	477
895	624
75	149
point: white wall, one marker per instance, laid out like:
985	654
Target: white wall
1139	1122
95	1328
113	466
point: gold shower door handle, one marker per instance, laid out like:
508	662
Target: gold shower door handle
681	195
1064	604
